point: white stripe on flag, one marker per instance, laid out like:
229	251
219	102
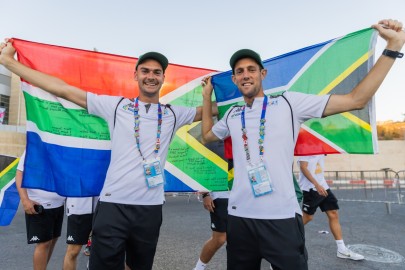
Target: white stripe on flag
68	141
41	94
322	138
3	190
184	177
311	61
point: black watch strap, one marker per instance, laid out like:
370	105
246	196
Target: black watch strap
392	54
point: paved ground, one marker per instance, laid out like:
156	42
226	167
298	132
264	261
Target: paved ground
366	227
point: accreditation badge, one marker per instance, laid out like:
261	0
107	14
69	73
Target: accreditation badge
153	172
259	179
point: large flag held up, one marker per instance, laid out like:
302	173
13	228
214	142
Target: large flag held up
9	198
68	150
332	67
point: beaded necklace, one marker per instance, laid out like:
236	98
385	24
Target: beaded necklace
261	131
136	127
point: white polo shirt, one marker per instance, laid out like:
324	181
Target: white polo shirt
278	153
80	206
316	166
47	199
125	182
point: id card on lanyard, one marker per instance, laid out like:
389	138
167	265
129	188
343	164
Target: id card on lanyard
152	168
153	172
259	177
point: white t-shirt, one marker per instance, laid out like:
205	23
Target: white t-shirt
315	167
125	182
278	153
47	199
80	206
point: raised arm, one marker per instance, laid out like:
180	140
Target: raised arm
392	32
207	113
44	81
198	115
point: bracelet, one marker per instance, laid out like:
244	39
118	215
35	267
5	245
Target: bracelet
392	54
205	195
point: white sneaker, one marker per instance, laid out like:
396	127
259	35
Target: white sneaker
350	255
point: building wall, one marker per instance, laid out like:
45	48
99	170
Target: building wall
17	115
5	87
12	136
5	75
391	155
12	143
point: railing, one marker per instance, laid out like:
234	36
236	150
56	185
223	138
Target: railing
383	186
189	195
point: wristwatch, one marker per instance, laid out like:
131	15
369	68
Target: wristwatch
392	54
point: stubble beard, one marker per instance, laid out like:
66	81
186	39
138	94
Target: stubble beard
150	93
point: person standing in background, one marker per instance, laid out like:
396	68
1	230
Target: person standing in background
318	194
43	217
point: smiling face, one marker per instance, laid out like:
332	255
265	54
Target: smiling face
150	78
248	78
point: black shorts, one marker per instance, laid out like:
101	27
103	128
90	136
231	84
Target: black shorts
280	241
312	200
219	218
124	233
78	229
44	227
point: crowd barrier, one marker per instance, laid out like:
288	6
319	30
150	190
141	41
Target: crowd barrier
382	186
188	195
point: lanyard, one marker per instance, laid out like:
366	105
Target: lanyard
261	131
136	128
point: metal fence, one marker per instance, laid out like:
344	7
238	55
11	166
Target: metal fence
188	195
383	186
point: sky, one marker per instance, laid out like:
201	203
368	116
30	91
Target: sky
206	33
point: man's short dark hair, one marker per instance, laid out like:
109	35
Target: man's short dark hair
245	53
155	56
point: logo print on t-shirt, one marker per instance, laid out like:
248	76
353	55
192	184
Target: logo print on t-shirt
318	169
273	102
129	107
236	112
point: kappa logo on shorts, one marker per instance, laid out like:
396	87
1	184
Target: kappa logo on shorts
34	238
213	225
70	239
